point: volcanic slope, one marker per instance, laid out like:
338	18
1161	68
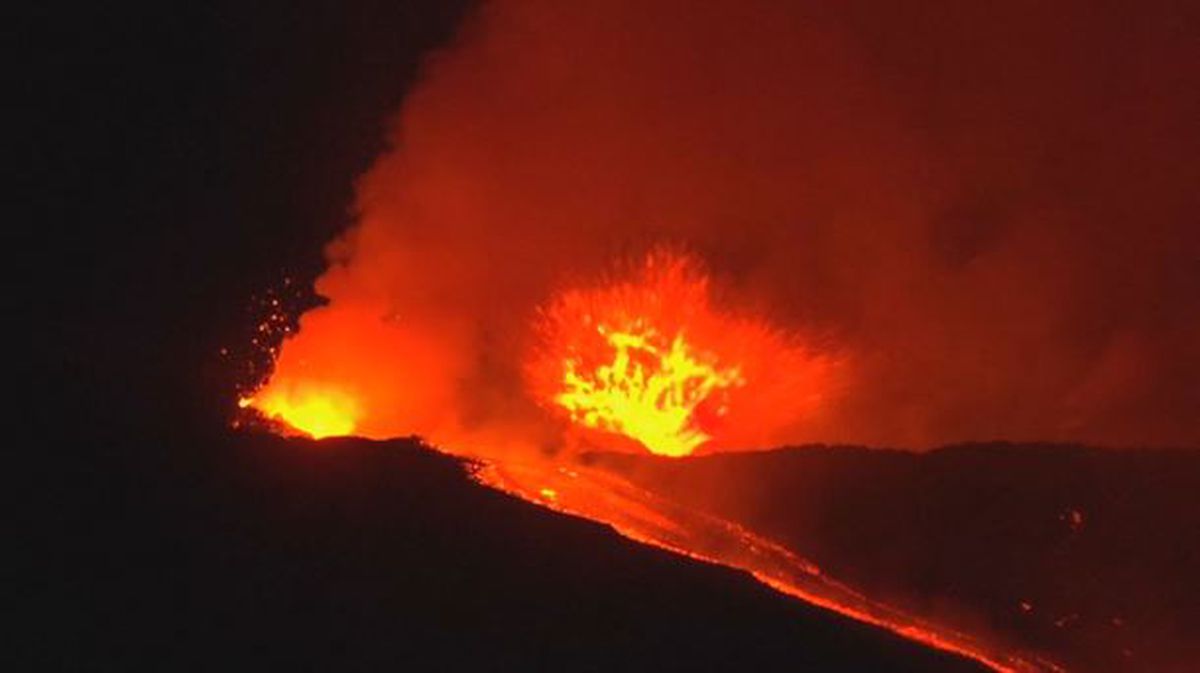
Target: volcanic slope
1085	556
356	555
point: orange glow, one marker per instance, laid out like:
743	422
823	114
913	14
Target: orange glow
650	360
649	392
309	409
358	370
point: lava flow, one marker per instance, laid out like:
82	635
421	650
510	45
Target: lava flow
642	516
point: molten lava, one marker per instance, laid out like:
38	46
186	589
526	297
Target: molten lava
309	409
358	370
650	360
649	391
640	515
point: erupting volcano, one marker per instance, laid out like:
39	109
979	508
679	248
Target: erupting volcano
614	335
641	361
592	243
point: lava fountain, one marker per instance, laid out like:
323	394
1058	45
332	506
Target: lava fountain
649	361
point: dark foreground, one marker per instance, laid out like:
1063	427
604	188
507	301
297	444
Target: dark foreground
353	555
1084	555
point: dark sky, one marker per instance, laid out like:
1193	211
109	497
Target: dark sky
177	162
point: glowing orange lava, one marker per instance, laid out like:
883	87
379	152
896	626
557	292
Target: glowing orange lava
642	516
649	392
651	360
359	370
310	409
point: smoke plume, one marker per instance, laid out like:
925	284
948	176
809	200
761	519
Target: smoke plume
988	213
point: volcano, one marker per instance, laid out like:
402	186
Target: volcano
532	334
349	554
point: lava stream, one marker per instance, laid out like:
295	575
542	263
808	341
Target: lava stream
600	496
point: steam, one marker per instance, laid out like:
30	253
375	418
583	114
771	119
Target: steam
992	217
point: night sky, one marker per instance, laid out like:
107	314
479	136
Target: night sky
180	162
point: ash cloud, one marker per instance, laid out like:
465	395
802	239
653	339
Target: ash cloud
992	212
